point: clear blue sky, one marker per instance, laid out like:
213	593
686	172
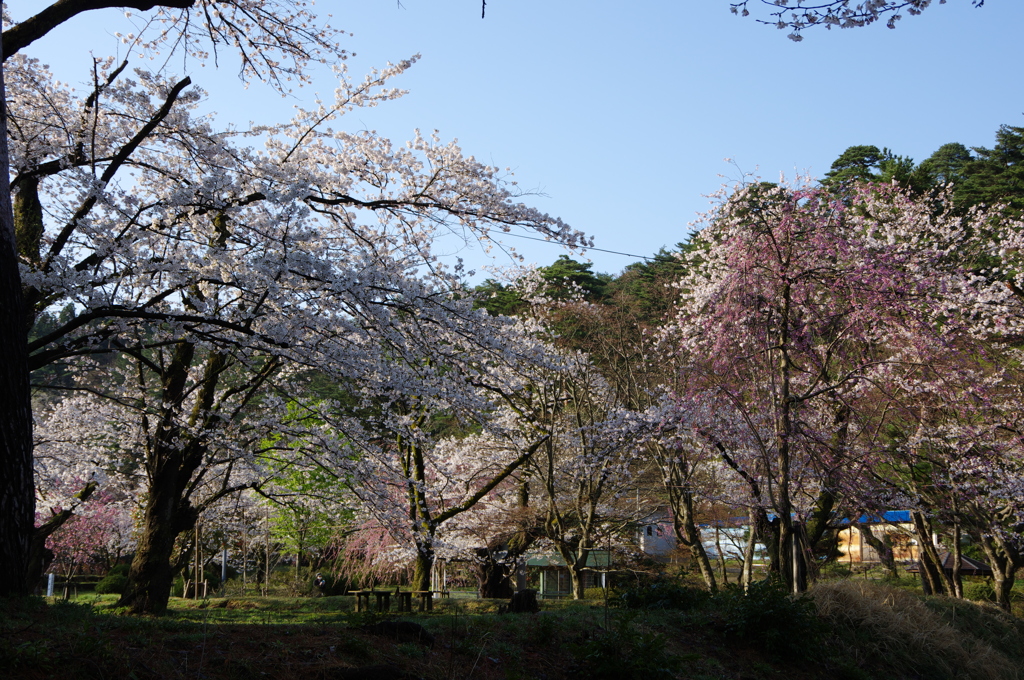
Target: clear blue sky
621	113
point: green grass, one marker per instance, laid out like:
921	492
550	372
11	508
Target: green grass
861	637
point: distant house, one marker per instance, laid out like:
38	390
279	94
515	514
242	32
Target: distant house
657	538
893	527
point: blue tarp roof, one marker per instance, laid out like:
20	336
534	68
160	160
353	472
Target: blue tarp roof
889	516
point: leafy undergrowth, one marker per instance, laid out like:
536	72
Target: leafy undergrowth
847	630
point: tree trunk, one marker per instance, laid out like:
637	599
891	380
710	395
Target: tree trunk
788	546
17	487
882	546
958	584
747	574
721	556
688	534
492	576
576	571
1004	565
150	576
932	574
423	566
768	530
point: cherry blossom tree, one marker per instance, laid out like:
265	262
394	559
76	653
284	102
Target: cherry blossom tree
795	306
404	451
93	535
212	268
275	41
83	453
587	467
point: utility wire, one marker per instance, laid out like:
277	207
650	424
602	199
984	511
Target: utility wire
654	258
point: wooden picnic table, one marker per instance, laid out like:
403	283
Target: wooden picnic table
383	597
404	598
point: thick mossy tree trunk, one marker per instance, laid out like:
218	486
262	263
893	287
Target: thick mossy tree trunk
174	454
423	566
150	576
170	463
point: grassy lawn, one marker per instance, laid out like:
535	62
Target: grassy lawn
853	629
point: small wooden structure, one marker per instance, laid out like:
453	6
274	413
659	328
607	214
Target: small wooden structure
968	567
554	574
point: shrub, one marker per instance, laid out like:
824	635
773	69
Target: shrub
120	569
980	591
663	595
626	654
112	583
768	617
597	593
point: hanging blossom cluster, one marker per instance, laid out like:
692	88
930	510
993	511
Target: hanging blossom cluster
800	14
197	238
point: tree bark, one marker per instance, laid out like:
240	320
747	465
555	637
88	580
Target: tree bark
882	546
932	574
576	569
1004	561
721	556
684	520
492	576
958	584
17	487
747	575
171	461
423	566
150	577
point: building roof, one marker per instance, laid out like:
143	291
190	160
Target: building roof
887	517
597	559
968	567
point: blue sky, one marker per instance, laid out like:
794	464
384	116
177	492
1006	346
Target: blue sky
621	113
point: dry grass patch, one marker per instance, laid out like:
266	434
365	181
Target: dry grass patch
885	627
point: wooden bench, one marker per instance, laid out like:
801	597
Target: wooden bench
383	600
426	599
404	598
362	599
